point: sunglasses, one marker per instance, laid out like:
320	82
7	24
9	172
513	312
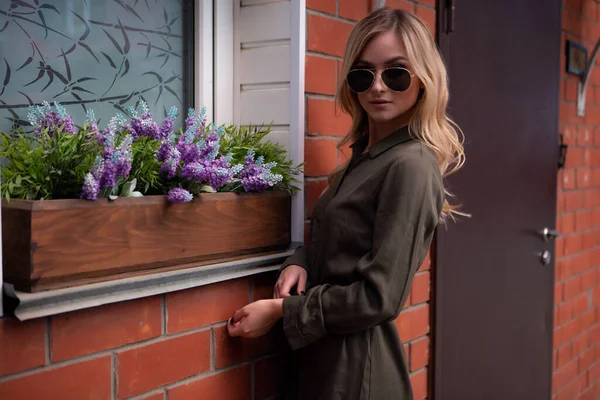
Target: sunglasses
396	78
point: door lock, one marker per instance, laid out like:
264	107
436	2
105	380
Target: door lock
548	234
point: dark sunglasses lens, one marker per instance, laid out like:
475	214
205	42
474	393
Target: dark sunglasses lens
360	80
397	79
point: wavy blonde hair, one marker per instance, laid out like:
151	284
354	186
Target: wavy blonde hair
429	122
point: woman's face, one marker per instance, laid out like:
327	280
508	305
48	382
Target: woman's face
382	104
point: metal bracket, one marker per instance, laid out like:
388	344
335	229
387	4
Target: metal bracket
583	82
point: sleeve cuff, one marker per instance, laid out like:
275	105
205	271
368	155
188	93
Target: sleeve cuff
291	311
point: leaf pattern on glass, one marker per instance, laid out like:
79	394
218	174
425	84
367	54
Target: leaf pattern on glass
102	55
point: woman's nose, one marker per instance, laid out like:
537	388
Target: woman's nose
378	84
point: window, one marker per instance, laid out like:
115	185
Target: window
100	55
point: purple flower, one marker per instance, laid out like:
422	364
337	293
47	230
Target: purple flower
91	187
178	195
54	120
257	176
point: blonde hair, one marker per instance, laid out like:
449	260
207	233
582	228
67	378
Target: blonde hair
429	122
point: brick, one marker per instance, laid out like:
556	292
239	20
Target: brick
233	350
320	156
584	178
325	118
156	396
320	75
580	344
564	313
572	287
565	374
419	385
354	9
401	5
262	285
326	35
95	329
205	305
567	223
430	3
420	288
584	136
148	367
570	133
419	354
427	15
586	360
573	201
568	113
588	10
269	377
413	323
314	189
229	385
565	355
327	6
426	265
594	155
583	220
589	240
588	280
26	345
573	244
591	198
592	114
581	304
85	380
568	179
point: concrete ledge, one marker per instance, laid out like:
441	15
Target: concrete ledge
52	302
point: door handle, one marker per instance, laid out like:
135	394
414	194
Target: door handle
545	258
548	234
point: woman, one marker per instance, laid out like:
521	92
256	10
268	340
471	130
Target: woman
371	229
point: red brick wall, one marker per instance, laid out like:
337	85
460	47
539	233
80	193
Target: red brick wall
577	289
176	345
328	25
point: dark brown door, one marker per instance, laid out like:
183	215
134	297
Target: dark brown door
493	295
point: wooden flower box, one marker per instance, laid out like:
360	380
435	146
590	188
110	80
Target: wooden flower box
61	243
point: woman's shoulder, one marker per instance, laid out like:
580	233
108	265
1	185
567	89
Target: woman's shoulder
413	157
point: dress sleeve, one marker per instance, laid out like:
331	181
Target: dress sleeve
300	258
408	210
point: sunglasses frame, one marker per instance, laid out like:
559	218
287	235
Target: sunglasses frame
375	77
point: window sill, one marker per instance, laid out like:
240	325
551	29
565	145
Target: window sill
52	302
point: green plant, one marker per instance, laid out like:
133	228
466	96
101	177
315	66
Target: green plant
145	167
51	166
238	140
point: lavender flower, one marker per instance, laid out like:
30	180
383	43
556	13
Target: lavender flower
167	126
44	117
178	195
144	124
257	176
91	187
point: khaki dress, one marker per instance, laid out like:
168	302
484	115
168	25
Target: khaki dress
369	234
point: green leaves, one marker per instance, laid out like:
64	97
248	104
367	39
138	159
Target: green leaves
238	140
48	167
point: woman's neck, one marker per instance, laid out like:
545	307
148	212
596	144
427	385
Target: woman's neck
381	130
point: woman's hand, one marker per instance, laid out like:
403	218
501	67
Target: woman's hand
290	276
256	318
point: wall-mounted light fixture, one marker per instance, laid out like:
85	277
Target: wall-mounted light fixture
578	64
